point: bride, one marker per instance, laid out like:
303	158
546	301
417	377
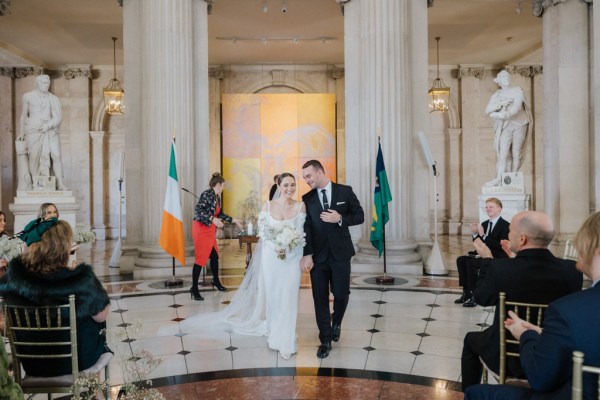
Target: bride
266	303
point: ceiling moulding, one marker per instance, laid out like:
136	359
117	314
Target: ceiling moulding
527	71
10	56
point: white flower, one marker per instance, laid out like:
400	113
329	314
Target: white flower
285	236
81	235
10	247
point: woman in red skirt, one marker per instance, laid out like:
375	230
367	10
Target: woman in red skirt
208	217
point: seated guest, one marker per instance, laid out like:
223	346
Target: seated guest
47	211
533	276
491	232
571	323
43	276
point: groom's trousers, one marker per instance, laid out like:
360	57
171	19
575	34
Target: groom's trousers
335	275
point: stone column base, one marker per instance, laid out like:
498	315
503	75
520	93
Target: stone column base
401	258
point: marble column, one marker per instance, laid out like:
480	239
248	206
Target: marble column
166	70
454	182
476	168
215	77
76	116
98	193
566	120
7	143
386	90
336	75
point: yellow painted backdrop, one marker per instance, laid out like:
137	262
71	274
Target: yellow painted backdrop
267	134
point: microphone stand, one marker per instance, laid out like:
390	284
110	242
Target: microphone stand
203	283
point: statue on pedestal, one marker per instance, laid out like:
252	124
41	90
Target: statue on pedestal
39	138
512	124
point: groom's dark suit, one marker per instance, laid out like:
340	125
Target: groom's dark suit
331	248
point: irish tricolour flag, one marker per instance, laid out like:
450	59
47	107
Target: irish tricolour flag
171	231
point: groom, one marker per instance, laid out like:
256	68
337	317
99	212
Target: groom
330	209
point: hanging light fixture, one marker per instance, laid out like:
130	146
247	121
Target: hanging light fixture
439	92
113	92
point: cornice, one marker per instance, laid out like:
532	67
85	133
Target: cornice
216	73
342	3
474	71
74	71
336	73
209	5
21	72
539	6
527	71
4	7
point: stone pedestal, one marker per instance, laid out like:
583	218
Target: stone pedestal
27	204
511	194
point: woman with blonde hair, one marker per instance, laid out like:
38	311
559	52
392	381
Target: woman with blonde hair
42	275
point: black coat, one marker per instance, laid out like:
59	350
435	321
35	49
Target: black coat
533	276
321	237
499	232
22	287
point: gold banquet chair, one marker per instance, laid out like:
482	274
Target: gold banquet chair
578	369
28	327
531	312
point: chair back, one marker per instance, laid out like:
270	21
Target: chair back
52	329
530	312
578	369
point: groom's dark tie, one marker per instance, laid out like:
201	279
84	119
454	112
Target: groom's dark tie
325	201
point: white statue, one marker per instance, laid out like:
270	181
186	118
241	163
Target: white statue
512	122
40	119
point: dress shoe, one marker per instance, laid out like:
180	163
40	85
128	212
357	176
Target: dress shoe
462	299
217	284
470	302
324	350
335	335
195	294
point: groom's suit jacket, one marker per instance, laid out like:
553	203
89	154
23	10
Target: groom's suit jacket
321	237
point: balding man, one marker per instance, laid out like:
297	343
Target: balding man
533	276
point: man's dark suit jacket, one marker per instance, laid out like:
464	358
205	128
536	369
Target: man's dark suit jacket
533	276
499	232
321	237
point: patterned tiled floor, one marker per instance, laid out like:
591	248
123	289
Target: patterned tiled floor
402	338
398	341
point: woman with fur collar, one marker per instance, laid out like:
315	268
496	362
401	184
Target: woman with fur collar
43	276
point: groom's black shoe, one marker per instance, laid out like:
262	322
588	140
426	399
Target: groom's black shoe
324	350
335	335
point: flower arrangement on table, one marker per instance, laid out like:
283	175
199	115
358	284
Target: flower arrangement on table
135	367
285	236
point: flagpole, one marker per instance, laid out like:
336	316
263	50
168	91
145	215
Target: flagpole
383	280
173	282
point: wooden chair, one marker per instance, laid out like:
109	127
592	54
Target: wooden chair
530	312
578	370
28	329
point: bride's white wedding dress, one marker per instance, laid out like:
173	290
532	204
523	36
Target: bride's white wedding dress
266	303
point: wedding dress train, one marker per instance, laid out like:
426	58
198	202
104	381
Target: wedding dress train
266	303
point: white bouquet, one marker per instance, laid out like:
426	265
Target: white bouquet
286	237
10	247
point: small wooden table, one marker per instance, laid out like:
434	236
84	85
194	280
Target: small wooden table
248	240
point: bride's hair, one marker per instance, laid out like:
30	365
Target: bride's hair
284	175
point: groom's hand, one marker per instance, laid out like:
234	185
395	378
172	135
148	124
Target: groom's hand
306	263
331	216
